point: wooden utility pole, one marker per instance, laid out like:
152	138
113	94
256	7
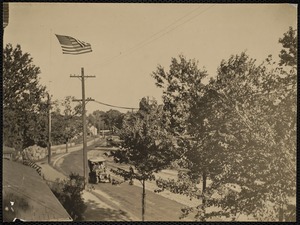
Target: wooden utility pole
143	200
49	128
85	169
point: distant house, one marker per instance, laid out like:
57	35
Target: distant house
26	196
93	130
7	152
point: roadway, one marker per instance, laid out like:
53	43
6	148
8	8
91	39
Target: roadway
123	197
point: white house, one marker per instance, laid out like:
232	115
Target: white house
93	130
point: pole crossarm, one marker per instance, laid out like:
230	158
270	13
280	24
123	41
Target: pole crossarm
78	76
87	99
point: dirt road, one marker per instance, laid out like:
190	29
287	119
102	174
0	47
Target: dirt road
124	197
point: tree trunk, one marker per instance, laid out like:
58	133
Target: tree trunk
204	177
203	186
143	201
281	211
281	214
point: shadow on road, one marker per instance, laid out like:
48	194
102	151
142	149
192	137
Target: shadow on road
95	212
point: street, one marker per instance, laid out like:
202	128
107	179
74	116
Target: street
124	197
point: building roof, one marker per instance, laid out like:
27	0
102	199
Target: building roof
33	199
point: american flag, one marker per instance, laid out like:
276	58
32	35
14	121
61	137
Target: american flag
72	45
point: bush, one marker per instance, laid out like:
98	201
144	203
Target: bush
69	193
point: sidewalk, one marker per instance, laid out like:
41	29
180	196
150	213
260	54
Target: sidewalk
96	210
50	173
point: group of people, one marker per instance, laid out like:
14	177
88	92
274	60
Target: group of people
99	167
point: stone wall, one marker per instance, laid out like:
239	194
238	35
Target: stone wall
35	153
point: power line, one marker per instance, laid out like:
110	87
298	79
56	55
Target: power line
150	40
153	35
120	107
106	104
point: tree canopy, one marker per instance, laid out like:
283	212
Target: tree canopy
97	119
240	134
113	119
66	120
23	104
147	147
288	55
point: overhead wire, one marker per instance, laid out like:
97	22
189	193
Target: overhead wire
153	35
149	40
144	43
102	103
120	107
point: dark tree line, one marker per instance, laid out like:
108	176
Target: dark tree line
23	106
111	120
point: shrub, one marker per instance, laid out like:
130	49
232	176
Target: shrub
69	193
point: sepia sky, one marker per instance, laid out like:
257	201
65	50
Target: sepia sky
130	40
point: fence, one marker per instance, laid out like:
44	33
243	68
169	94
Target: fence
28	162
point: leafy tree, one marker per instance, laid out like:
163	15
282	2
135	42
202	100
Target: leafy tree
288	55
70	109
69	193
67	125
242	135
97	119
72	118
183	85
146	147
23	105
113	118
183	79
262	148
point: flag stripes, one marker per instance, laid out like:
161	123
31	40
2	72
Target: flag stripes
72	45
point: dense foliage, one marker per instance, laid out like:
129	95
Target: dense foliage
24	111
239	133
146	147
66	123
69	193
97	120
111	120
